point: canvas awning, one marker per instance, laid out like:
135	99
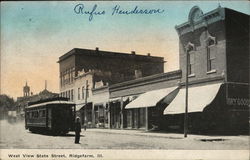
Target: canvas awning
79	106
115	99
151	98
198	98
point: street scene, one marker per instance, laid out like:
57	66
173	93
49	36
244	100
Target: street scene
125	76
117	139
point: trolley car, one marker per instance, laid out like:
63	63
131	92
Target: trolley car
54	116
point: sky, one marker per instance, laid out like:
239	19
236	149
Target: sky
35	34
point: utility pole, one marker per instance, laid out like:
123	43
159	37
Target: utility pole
85	110
186	99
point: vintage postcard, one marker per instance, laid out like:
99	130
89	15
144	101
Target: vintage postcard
124	80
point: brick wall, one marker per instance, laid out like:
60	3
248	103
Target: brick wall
198	38
237	35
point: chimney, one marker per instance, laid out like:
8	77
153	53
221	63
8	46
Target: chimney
97	49
148	54
133	52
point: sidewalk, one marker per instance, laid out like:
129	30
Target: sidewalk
166	135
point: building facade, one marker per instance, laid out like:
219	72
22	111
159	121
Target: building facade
136	94
214	50
83	70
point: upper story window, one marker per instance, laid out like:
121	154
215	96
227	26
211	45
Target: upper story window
72	94
72	75
87	89
190	58
69	95
211	54
83	90
87	92
78	93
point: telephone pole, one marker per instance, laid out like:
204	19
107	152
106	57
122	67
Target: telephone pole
85	110
186	98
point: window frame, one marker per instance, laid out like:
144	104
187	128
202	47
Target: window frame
210	59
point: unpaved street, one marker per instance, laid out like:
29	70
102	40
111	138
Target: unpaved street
15	136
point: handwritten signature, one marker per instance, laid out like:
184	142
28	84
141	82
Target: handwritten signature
116	10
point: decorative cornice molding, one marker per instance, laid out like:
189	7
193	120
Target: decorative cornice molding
147	80
198	20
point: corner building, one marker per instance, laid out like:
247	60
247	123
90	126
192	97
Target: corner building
216	47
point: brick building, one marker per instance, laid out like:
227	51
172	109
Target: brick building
82	70
217	47
127	95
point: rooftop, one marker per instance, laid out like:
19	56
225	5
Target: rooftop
109	54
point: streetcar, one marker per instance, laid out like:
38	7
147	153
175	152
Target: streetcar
54	115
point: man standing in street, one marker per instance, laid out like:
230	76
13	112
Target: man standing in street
77	130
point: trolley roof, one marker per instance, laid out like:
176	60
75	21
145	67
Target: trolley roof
50	102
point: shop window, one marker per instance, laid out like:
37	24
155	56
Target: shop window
69	94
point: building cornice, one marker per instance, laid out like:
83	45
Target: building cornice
204	80
147	80
110	54
199	21
100	90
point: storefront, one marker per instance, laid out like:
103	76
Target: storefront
146	111
212	108
80	112
101	115
115	113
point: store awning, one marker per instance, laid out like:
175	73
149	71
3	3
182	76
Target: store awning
198	98
117	99
79	107
150	99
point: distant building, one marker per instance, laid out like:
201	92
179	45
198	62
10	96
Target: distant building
22	102
82	70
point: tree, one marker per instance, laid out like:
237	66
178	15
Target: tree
6	103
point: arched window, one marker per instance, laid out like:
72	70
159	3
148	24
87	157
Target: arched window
190	56
211	53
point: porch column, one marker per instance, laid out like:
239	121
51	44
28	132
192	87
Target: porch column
104	115
93	115
109	116
121	105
